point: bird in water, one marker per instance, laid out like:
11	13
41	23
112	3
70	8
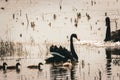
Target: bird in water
16	67
39	66
111	36
4	66
61	54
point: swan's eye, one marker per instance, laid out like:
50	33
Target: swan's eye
75	36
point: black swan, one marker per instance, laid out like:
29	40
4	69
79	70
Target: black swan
5	67
39	66
111	36
61	54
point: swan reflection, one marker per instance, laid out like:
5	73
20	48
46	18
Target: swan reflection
59	73
112	57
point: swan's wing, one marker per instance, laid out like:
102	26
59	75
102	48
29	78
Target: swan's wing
60	51
57	54
54	59
115	36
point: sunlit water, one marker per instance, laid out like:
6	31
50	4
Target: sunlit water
96	62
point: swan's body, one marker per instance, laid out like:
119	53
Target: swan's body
115	35
61	54
111	36
39	66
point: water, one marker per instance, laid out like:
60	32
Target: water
96	62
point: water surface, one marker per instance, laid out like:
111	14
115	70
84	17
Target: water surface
95	63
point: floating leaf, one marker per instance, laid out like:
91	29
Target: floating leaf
22	23
60	7
49	24
20	35
13	16
78	15
2	8
6	0
32	25
76	22
88	16
54	16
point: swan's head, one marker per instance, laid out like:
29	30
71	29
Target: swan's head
4	66
107	21
75	36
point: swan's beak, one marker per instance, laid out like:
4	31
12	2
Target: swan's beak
78	39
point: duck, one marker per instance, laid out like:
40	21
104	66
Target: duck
5	67
111	36
61	54
39	66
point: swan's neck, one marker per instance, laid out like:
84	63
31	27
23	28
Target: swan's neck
72	49
108	30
